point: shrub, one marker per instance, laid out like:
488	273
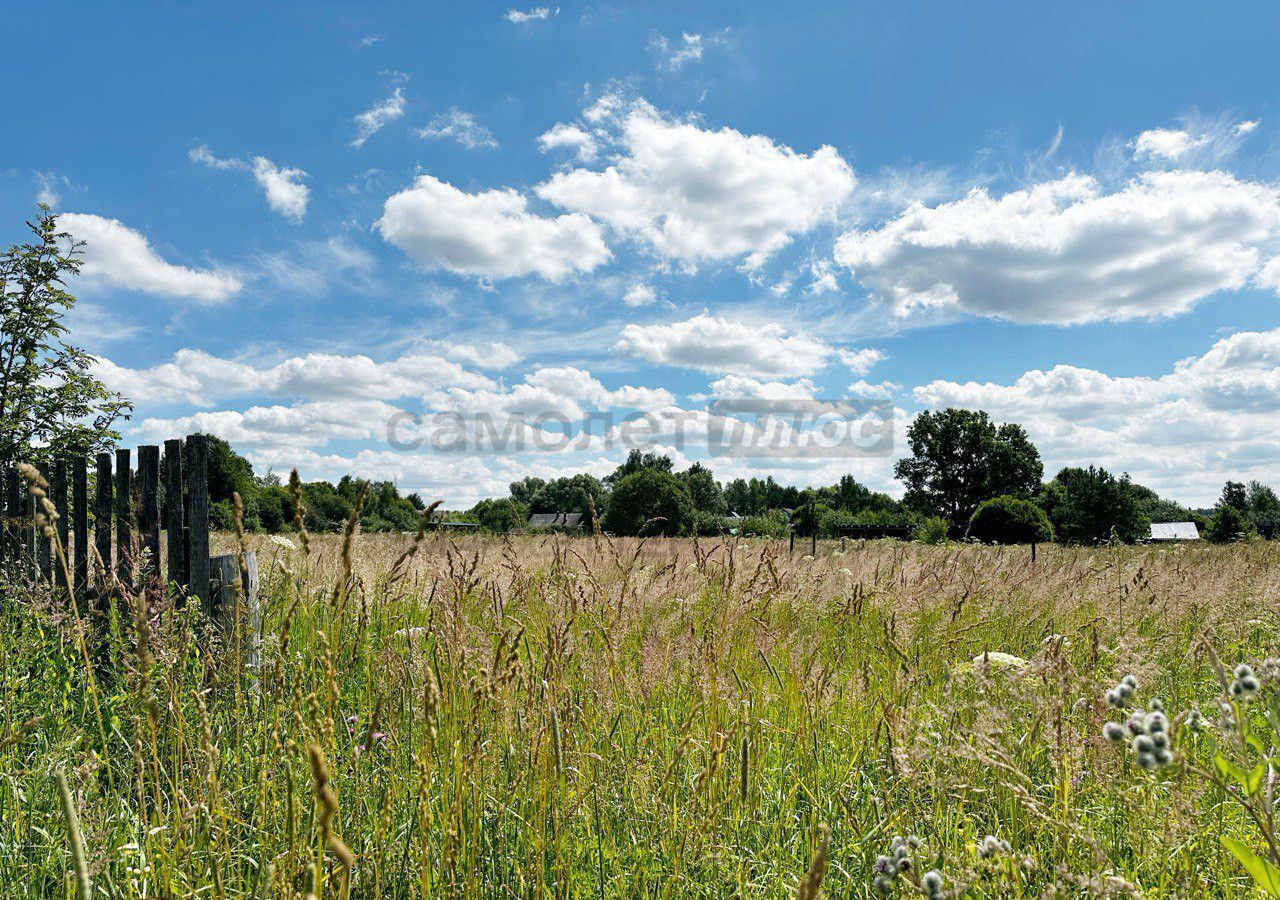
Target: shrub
931	530
499	516
705	522
771	524
1010	520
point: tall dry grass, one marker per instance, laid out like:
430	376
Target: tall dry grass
583	717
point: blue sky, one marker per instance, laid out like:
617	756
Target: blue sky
303	219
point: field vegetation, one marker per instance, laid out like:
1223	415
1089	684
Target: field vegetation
594	717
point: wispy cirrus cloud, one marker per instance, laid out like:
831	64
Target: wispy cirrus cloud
378	116
535	14
457	125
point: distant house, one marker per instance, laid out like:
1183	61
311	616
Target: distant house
438	521
1174	531
555	520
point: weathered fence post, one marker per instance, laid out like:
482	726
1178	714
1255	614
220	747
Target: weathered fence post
80	522
58	487
44	547
29	533
124	517
175	540
225	572
13	512
197	478
4	516
149	506
102	508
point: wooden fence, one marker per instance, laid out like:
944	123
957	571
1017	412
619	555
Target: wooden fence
127	521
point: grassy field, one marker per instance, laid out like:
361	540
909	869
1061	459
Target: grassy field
552	717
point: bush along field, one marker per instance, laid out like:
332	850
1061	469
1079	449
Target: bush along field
590	717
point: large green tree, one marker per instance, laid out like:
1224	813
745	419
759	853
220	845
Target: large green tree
704	491
49	395
637	460
960	458
1089	506
648	501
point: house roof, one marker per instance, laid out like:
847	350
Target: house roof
1174	531
555	520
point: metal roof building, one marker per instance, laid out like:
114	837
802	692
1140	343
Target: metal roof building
1174	531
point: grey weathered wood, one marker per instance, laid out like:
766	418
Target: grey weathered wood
29	531
13	515
175	539
44	548
102	511
58	494
124	517
80	523
149	505
196	476
225	570
5	552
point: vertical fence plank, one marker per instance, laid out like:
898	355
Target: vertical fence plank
29	531
197	478
175	539
58	489
102	511
44	547
12	511
149	505
80	522
124	517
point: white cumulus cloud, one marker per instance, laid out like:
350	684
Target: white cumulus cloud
718	345
570	137
285	192
201	379
490	234
639	294
860	362
697	194
1068	251
116	255
282	186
